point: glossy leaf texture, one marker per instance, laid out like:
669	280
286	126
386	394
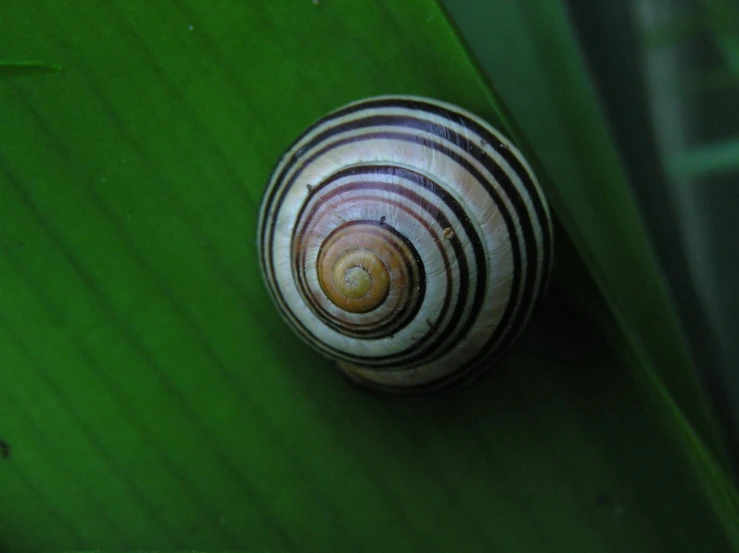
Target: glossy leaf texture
150	395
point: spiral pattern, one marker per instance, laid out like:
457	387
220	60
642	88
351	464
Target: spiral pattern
407	239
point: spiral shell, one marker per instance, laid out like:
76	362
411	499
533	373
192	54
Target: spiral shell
407	239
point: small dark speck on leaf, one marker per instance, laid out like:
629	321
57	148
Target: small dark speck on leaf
4	449
20	244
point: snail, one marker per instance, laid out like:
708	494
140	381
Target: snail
407	239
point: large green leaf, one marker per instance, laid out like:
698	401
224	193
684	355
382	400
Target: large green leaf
696	124
150	396
563	122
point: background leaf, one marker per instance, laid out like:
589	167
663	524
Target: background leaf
695	129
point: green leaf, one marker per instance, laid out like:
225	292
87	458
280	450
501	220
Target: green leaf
26	69
561	120
563	123
711	159
150	395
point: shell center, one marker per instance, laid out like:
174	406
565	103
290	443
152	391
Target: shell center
359	280
356	282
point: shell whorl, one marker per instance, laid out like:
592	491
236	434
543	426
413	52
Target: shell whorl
407	239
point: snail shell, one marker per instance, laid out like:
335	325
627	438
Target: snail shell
407	239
